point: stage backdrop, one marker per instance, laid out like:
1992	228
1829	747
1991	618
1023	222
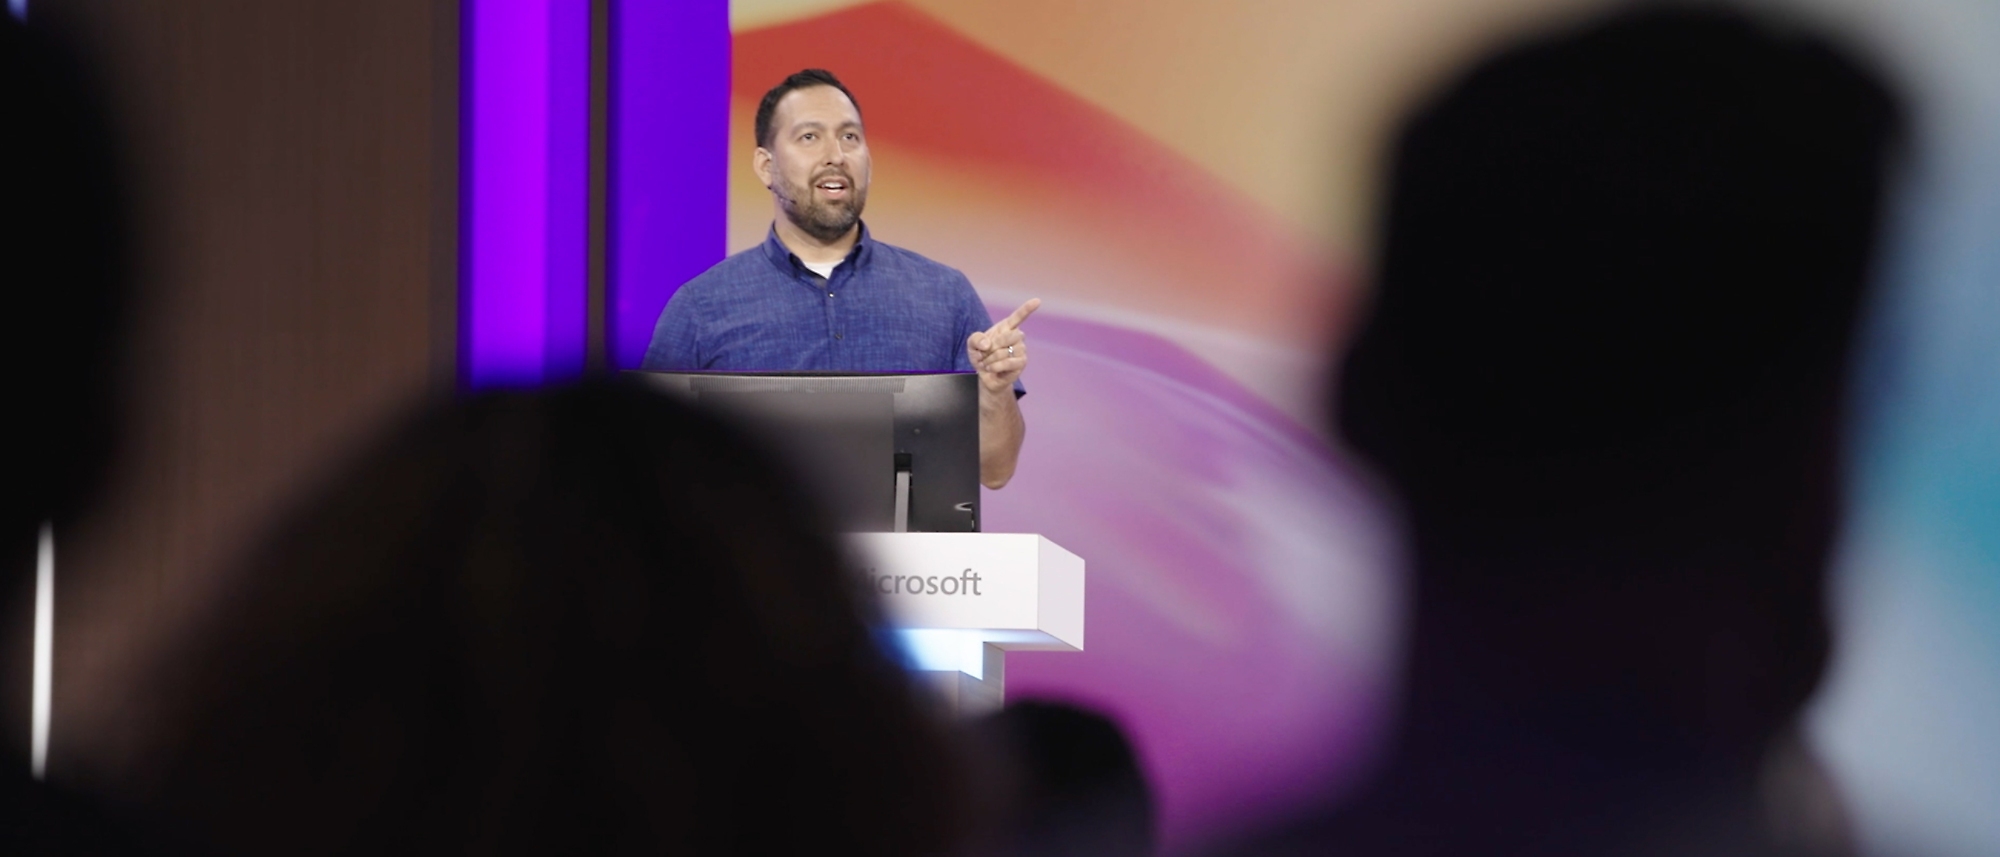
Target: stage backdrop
1181	183
1185	183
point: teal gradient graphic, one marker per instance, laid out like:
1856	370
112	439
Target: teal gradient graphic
1908	716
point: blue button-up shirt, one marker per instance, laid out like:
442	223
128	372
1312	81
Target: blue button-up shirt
884	309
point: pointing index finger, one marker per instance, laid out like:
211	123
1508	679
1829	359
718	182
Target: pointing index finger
1014	320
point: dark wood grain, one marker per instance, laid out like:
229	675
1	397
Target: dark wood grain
297	214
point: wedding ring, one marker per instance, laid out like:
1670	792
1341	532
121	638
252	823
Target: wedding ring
1010	349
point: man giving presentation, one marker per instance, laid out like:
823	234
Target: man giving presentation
821	294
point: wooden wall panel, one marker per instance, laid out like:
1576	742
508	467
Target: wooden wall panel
297	168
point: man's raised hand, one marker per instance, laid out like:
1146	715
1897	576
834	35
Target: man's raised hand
1000	352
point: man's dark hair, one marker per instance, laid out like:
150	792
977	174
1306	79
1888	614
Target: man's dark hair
802	80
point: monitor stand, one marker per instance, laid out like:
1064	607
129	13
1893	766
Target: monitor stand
902	492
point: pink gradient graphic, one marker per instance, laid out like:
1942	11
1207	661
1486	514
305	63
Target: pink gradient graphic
1240	583
1237	595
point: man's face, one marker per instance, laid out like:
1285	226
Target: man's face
817	163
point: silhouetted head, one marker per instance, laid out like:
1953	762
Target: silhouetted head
63	291
1618	276
1078	786
581	621
65	287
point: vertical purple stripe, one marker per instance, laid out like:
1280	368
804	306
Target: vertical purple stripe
569	187
525	139
669	159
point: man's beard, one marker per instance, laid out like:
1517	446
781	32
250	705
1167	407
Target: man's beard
824	221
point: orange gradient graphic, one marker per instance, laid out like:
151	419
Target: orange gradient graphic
1028	188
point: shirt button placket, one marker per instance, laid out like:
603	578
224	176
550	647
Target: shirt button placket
833	318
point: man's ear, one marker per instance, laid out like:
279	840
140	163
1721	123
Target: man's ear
760	163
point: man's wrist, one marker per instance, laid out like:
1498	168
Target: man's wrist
995	399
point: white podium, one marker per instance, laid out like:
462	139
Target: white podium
961	601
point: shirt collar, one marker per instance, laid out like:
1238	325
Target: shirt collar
783	258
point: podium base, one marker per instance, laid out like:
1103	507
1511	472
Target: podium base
960	694
956	603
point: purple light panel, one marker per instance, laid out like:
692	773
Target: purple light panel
669	140
526	135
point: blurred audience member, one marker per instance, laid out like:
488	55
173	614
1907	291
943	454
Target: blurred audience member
63	241
1619	274
1077	787
65	286
585	621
